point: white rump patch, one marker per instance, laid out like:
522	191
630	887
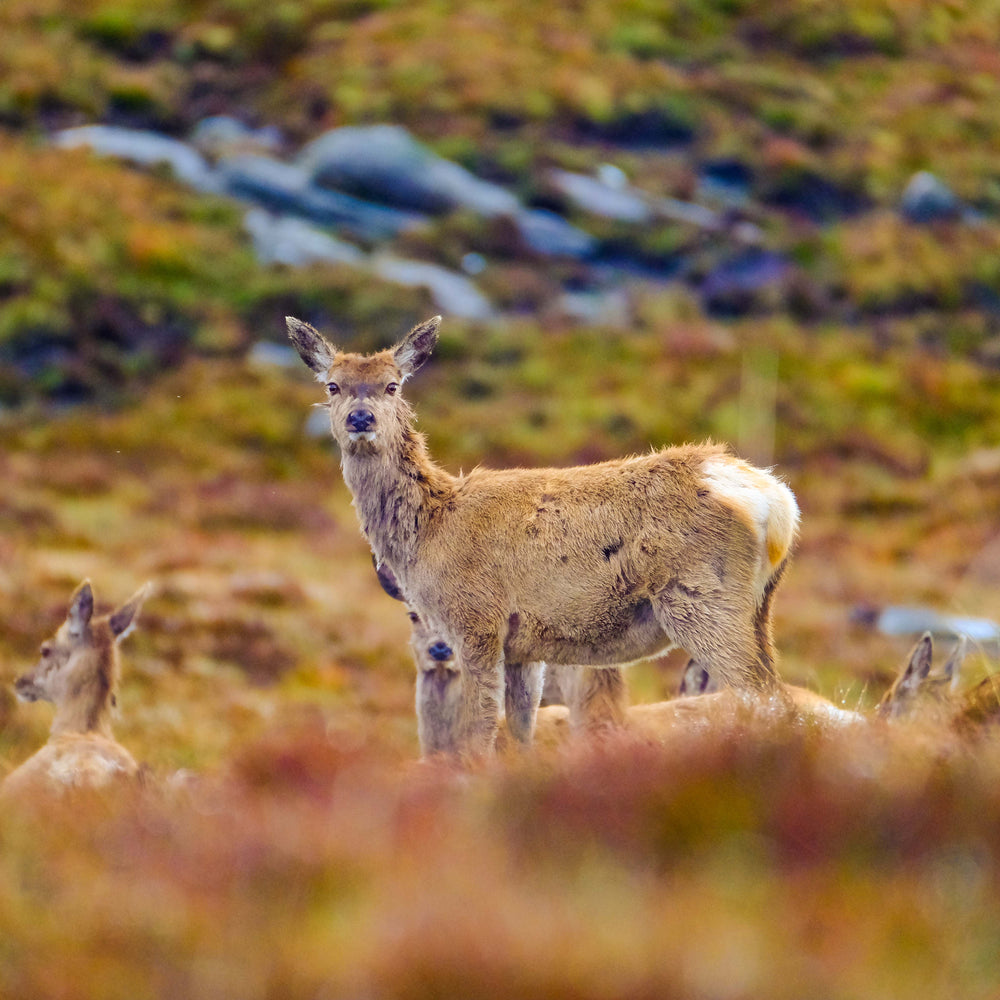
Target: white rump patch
765	504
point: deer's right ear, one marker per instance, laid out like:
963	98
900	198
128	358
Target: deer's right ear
314	349
81	608
415	348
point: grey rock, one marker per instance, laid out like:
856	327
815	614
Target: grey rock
612	176
928	199
386	164
473	263
595	196
148	149
552	236
736	284
282	239
906	620
285	187
453	293
687	212
223	135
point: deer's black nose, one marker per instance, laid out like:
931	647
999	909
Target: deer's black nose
440	651
360	421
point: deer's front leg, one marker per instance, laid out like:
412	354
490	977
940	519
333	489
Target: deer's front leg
481	665
523	683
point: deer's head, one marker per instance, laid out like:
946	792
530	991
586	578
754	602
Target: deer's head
435	658
367	411
62	671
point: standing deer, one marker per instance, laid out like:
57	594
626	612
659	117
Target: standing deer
78	671
598	565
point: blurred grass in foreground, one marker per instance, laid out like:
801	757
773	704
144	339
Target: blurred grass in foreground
748	861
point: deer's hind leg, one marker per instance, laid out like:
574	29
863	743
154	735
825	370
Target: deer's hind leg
596	696
723	632
523	692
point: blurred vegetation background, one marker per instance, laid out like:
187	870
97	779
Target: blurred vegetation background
804	265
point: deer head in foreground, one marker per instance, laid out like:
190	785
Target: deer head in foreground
78	672
597	565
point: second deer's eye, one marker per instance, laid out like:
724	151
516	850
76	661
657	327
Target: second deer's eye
332	388
391	388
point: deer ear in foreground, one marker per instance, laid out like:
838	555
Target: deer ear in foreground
598	565
78	672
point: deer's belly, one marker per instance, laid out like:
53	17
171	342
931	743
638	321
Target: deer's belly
623	635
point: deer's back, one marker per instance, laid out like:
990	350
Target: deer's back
72	761
587	548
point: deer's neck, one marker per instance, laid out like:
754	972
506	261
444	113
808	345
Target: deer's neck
86	705
397	494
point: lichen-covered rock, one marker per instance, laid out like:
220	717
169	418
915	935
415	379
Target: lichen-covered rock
928	199
386	164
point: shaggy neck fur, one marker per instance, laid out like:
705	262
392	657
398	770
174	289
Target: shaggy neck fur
398	491
86	704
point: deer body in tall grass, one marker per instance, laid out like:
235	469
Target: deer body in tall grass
927	694
78	672
696	681
597	565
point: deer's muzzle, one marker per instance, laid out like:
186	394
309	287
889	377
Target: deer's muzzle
440	651
25	688
360	421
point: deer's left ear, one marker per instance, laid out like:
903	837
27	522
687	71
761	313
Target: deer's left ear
416	347
124	618
81	608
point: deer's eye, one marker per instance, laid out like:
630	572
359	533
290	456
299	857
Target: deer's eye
332	388
392	388
46	651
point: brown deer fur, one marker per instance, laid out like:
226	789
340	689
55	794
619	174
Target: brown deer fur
696	681
78	671
598	565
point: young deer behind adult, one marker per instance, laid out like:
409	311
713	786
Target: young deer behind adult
78	671
920	690
598	565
